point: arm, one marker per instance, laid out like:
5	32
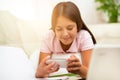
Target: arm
85	55
75	66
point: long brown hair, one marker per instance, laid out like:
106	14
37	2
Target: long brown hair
70	11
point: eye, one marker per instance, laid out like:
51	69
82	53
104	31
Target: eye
58	29
70	27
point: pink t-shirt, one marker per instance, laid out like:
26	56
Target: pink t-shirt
50	44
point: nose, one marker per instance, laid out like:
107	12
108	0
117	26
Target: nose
65	33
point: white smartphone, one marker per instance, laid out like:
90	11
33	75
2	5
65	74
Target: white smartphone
61	62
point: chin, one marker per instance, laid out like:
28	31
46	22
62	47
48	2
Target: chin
67	43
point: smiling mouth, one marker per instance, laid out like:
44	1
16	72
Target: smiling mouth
66	38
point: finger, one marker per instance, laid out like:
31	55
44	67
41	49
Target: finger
74	70
51	65
72	60
56	68
73	57
74	64
53	69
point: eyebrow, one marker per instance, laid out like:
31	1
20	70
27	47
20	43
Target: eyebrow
67	25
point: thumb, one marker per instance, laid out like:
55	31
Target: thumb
45	59
72	56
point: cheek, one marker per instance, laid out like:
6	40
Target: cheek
58	34
74	33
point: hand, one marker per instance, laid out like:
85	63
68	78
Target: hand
73	65
44	69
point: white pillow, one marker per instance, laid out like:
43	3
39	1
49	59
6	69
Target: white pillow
14	64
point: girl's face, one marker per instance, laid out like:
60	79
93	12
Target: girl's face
65	30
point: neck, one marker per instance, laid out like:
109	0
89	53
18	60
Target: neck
65	47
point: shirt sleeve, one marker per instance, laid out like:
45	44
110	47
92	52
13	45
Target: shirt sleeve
46	42
85	40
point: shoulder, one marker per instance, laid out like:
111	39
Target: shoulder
83	34
47	42
84	40
49	35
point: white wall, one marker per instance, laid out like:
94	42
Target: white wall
41	9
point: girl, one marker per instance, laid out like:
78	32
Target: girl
68	34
